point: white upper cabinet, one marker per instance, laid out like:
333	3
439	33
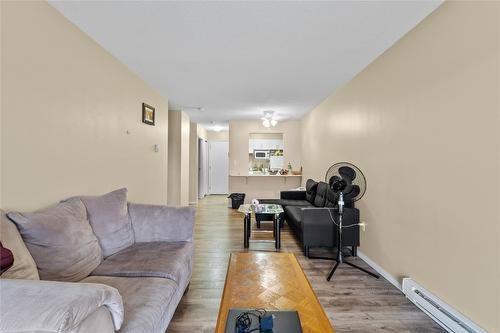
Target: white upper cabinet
264	144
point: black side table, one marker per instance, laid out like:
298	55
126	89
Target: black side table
273	209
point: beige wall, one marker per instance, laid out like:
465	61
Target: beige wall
202	133
193	163
218	136
239	133
178	158
66	105
422	122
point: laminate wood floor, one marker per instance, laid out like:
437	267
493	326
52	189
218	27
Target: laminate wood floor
353	301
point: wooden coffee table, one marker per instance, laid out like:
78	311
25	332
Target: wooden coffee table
273	281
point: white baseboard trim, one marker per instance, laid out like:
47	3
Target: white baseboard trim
397	284
381	271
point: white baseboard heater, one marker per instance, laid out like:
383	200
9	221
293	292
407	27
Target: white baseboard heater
450	319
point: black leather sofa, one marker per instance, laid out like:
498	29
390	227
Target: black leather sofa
309	213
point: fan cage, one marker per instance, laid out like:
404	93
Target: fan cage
360	179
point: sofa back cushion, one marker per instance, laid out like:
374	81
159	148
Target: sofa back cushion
60	240
331	198
24	266
311	187
109	218
320	199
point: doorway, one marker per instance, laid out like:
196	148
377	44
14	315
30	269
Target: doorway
202	168
218	166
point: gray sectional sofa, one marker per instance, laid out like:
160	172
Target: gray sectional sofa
107	266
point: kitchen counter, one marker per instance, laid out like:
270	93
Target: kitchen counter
263	186
264	175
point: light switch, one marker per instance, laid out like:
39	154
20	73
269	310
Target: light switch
156	148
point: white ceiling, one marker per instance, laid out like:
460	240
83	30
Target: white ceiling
236	59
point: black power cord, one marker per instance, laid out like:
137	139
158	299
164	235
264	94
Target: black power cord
244	320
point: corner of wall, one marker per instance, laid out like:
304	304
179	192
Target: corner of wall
178	158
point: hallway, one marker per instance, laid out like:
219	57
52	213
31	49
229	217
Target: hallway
353	301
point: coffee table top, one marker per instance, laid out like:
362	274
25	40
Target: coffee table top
260	209
273	281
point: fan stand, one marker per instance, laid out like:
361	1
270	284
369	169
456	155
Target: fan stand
340	258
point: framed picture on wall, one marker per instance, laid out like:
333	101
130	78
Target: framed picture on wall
148	114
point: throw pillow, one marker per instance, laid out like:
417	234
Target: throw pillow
311	187
6	259
60	240
320	198
108	215
24	266
331	198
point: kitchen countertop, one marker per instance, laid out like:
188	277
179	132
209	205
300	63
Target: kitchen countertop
265	175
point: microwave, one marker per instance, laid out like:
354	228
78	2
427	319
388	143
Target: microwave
261	154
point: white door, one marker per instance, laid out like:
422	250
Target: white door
218	161
202	168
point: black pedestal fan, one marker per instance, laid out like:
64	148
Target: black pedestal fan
349	185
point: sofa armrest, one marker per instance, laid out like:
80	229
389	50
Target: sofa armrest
318	228
153	223
293	195
50	306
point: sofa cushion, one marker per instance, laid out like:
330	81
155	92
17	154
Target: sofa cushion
108	215
311	188
158	223
170	260
147	301
331	198
24	266
60	240
320	198
294	215
286	202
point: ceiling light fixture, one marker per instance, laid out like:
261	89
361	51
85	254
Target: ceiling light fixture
268	119
214	127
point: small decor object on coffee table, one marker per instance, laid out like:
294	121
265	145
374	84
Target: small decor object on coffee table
148	114
241	320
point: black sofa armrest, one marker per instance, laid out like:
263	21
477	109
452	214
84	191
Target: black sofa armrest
318	228
293	195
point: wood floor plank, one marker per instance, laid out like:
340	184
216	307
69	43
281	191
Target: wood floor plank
353	301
